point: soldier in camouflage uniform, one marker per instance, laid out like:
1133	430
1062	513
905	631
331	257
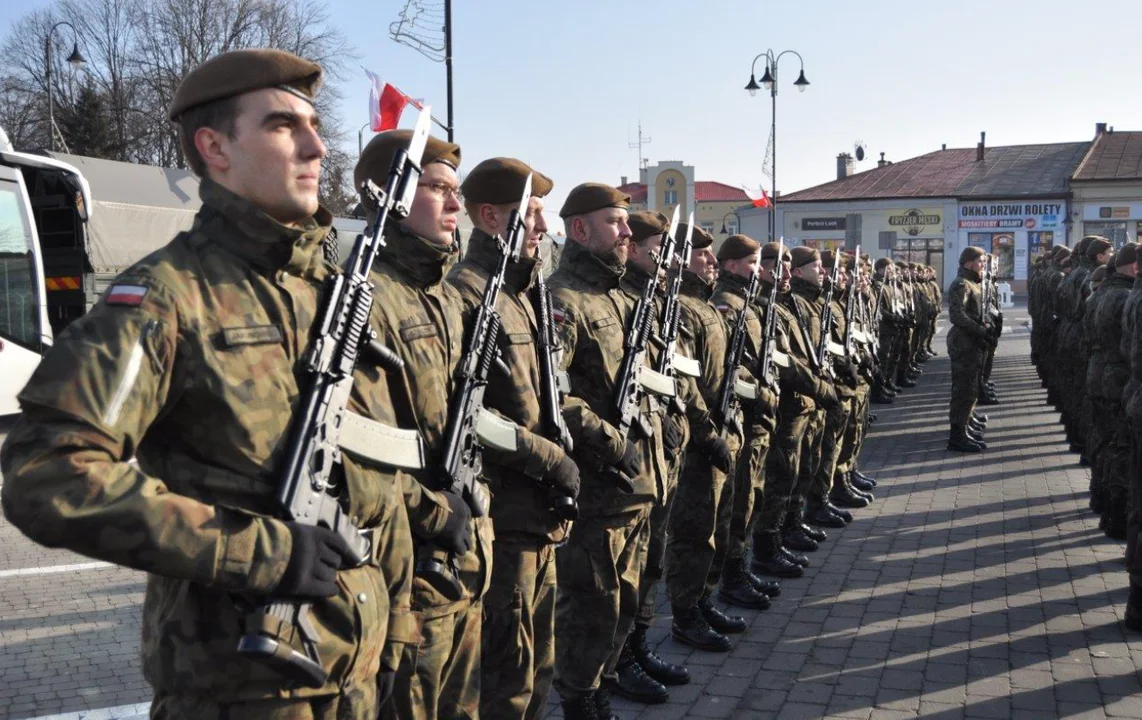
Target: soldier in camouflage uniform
890	320
1131	348
600	565
1069	301
700	519
854	434
1097	438
189	365
967	342
518	657
1048	319
1109	412
421	318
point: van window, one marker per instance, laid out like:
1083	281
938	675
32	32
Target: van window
19	306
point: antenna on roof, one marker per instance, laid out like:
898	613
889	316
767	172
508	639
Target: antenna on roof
642	140
859	150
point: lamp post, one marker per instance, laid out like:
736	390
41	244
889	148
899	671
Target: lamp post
361	138
769	80
735	214
76	59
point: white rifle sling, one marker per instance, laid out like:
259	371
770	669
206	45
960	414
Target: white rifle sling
686	366
495	432
369	440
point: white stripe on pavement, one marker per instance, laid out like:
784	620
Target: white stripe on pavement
139	711
80	567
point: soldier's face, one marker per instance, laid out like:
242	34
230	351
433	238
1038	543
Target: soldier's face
605	233
976	265
704	264
765	269
644	255
811	272
534	226
273	158
435	205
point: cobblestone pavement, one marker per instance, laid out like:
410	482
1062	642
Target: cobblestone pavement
975	586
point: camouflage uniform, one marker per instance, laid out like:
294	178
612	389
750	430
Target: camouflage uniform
1132	409
600	565
518	658
837	419
421	318
808	301
853	437
196	381
967	339
1069	300
1106	334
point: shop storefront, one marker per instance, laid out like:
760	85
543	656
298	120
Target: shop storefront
1017	232
1118	222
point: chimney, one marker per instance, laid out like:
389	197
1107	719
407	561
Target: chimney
844	165
881	162
980	148
624	181
943	146
1099	128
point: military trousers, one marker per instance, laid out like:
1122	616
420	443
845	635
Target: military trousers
517	663
967	361
699	529
750	487
810	461
854	434
832	442
1134	519
354	703
656	548
1117	467
439	679
885	355
782	466
598	572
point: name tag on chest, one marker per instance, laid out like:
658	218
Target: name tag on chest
254	335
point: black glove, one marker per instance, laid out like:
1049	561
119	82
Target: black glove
630	463
456	537
318	553
719	453
385	681
671	437
848	373
564	477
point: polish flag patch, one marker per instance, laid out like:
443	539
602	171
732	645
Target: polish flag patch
558	314
131	295
722	307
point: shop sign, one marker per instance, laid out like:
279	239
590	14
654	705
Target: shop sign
913	221
1113	212
1010	216
833	223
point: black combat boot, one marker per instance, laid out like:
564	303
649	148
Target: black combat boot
1133	619
792	556
818	514
1114	514
690	628
859	483
768	588
722	622
662	671
602	700
581	708
792	536
769	560
872	418
843	496
737	590
891	387
632	682
980	418
987	400
816	533
973	434
880	397
870	480
847	479
975	425
839	512
958	441
905	382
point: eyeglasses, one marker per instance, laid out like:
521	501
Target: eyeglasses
442	190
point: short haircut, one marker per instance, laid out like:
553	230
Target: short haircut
220	115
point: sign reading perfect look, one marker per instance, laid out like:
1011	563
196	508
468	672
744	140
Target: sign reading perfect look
1010	215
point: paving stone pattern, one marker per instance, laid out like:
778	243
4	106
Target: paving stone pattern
975	586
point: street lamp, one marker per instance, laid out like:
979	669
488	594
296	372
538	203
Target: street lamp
76	60
735	214
361	138
769	82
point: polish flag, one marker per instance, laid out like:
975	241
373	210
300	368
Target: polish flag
386	103
759	201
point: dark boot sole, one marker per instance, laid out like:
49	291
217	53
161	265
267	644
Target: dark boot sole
708	647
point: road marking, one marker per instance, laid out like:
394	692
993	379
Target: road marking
80	567
139	711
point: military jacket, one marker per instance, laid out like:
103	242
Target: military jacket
593	314
729	299
1132	348
1106	332
965	311
520	504
190	365
710	341
1069	299
421	318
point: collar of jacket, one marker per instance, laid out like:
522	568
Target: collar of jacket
805	289
1116	280
634	279
421	261
484	252
696	286
589	267
733	284
969	274
236	224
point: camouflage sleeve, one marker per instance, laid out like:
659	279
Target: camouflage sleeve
67	479
534	455
957	310
394	555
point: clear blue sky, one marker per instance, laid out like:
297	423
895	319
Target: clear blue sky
563	84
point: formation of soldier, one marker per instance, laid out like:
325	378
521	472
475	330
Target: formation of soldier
1086	308
154	433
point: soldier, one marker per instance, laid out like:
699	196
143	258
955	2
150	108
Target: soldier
987	395
518	656
189	365
739	587
1108	410
890	320
1131	348
854	434
1048	319
967	342
700	519
421	318
599	566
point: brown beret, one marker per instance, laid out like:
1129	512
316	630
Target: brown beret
1099	274
699	238
1062	253
1097	246
829	257
1054	250
242	71
769	251
647	224
971	253
883	262
1066	262
1128	255
804	255
736	247
378	155
1083	245
590	197
499	181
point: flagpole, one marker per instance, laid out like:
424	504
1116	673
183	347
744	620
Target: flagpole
448	64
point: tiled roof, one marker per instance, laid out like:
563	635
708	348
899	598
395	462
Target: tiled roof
1114	156
704	191
1008	171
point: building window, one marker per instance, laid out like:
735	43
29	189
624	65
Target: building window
1112	231
670	197
708	227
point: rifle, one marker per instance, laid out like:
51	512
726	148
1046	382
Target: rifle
985	300
669	361
553	386
635	377
850	305
823	361
728	401
469	425
309	490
